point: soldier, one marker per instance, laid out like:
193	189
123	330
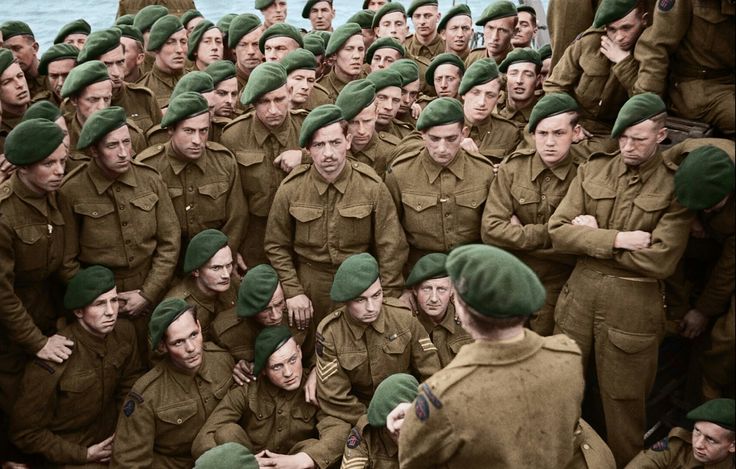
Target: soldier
388	99
278	40
132	41
347	50
374	5
46	110
499	21
444	74
66	412
301	75
168	42
390	21
168	405
539	380
383	52
526	28
273	11
144	20
545	53
243	38
365	19
521	67
227	456
456	30
14	95
204	45
190	19
74	33
225	96
320	14
425	42
55	64
620	219
313	43
410	86
19	39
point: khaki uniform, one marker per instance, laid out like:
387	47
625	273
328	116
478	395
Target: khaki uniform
317	98
161	83
495	137
36	85
369	448
330	86
208	308
314	226
176	7
256	147
448	336
429	51
396	128
566	20
481	53
375	154
674	452
354	358
65	408
520	117
591	452
537	387
140	105
623	334
262	416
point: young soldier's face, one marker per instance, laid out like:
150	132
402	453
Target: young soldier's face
554	136
328	150
443	141
214	276
274	312
321	15
247	53
46	175
640	142
447	80
363	126
189	136
626	31
77	39
284	368
388	101
349	59
409	95
366	307
393	25
172	55
99	317
114	60
457	34
300	83
210	48
425	20
273	107
497	35
24	49
525	30
521	81
383	58
183	343
274	13
225	97
276	48
114	153
480	101
58	70
93	98
13	87
712	443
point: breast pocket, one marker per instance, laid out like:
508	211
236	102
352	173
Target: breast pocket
708	26
526	202
355	229
469	210
593	79
397	354
600	202
255	179
97	219
78	397
260	422
649	209
213	203
422	219
144	215
176	424
308	229
355	366
31	250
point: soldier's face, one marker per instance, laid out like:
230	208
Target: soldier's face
497	35
521	81
712	443
193	24
457	34
46	175
383	58
225	97
393	25
376	5
93	98
368	36
366	307
100	316
273	107
172	55
77	39
349	59
328	150
13	87
214	276
58	70
284	368
525	30
433	297
447	80
274	13
210	47
388	101
115	63
362	127
62	125
443	141
554	136
274	312
189	136
546	65
247	53
481	100
321	15
409	95
640	142
626	31
134	55
24	49
275	48
425	20
300	84
183	343
114	153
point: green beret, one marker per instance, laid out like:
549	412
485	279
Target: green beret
125	20
99	43
197	81
223	24
15	28
43	110
261	4
265	78
268	341
551	105
163	315
444	58
162	30
6	59
87	285
612	10
341	35
545	52
418	4
148	15
314	44
365	3
704	178
52	54
497	10
397	388
408	69
364	18
458	10
441	111
354	276
718	411
319	117
528	9
428	267
183	106
204	244
385	10
300	59
325	35
82	76
493	282
636	110
385	78
227	456
383	43
32	141
189	15
75	27
240	26
520	55
256	290
480	72
280	30
309	4
99	124
220	70
196	36
354	97
131	32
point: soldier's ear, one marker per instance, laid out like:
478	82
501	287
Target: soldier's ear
661	134
465	131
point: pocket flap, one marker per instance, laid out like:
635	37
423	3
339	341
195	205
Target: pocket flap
261	409
355	211
77	382
652	203
597	191
472	199
418	202
631	343
304	412
178	413
351	360
175	192
29	234
595	65
709	14
214	190
93	210
145	202
249	158
306	214
397	345
525	196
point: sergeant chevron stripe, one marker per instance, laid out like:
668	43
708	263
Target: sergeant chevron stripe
324	371
353	463
427	344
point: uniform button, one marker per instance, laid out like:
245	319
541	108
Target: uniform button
447	215
191	189
178	420
94	214
419	207
279	429
547	178
281	412
474	204
260	416
117	189
544	197
127	241
125	223
522	199
586	446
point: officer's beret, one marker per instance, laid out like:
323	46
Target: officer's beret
256	290
268	341
319	117
480	72
384	43
551	105
520	55
131	32
441	59
265	78
223	24
354	276
163	315
196	36
385	78
493	282
280	30
87	285
365	3
718	411
240	26
418	4
704	178
6	59
313	43
189	15
441	111
364	18
99	124
197	81
261	4
497	10
75	27
54	53
227	456
636	110
458	10
528	9
162	30
43	110
354	97
408	69
545	52
125	20
183	106
15	28
82	76
428	267
341	35
32	141
99	43
148	15
300	59
220	70
387	9
612	10
397	388
206	243
309	4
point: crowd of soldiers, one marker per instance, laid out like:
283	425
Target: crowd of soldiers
242	244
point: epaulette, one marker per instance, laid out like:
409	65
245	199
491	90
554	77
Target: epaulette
134	126
602	154
681	434
153	130
299	170
242	117
403	124
588	32
421	59
45	365
228	321
145	167
367	170
521	152
321	88
217	146
72	174
150	152
221	120
396	303
561	343
476	49
389	137
333	316
299	112
5	191
411	153
145	381
138	87
213	347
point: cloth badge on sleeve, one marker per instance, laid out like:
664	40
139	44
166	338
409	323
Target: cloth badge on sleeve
665	5
129	407
325	370
427	344
661	445
432	398
353	439
421	408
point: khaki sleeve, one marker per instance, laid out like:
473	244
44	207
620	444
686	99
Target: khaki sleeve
230	410
390	246
650	459
327	449
355	454
566	73
333	384
627	71
279	242
719	288
425	360
133	367
134	435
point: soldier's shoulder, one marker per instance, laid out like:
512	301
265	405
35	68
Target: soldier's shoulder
6	190
561	343
299	112
478	159
225	321
519	155
366	170
397	304
144	169
215	349
591	34
679	433
47	366
297	173
321	88
133	126
329	321
402	124
388	137
218	147
507	124
146	381
74	174
602	157
150	152
246	116
137	88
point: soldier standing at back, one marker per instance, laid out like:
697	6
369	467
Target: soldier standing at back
168	41
14	95
243	38
19	39
498	21
456	30
521	68
425	42
55	64
347	47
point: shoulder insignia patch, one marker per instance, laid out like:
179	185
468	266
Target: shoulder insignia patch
45	365
662	444
427	344
353	439
665	5
129	407
421	408
319	346
325	370
430	395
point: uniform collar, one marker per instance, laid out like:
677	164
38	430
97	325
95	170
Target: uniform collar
448	322
358	328
366	151
169	79
184	379
261	132
560	170
645	170
38	201
482	352
199	297
341	183
456	167
94	343
178	164
102	182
